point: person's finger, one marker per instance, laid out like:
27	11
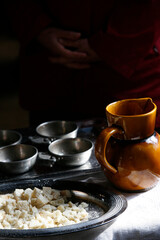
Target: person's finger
71	54
69	43
70	35
77	65
74	54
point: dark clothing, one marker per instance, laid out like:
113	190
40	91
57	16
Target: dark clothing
126	36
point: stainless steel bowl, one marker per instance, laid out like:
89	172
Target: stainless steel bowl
71	151
57	129
18	158
9	137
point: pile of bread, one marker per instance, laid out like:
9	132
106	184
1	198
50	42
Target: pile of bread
40	208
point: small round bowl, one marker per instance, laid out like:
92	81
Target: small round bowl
18	158
71	151
57	129
9	137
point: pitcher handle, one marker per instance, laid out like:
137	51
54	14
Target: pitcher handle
101	144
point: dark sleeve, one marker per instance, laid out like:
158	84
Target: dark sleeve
28	19
128	38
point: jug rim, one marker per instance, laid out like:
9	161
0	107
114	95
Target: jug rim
132	116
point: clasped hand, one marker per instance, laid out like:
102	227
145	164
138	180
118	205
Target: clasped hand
68	48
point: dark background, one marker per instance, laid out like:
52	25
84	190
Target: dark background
11	114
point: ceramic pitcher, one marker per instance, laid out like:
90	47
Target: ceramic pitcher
129	148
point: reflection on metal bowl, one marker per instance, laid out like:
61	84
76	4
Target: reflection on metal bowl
9	137
57	129
18	158
71	151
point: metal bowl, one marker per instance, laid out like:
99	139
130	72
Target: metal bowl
57	129
9	137
18	158
71	151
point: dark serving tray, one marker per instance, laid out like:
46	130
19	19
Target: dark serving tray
87	129
104	208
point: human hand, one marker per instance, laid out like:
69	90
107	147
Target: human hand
82	45
61	54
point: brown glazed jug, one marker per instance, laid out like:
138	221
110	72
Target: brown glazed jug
129	148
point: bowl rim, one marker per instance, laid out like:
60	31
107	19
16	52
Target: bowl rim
119	206
71	139
56	121
14	132
21	160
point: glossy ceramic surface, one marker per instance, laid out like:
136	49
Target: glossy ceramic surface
136	117
104	208
129	150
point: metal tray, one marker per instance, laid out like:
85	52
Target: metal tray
87	129
104	207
